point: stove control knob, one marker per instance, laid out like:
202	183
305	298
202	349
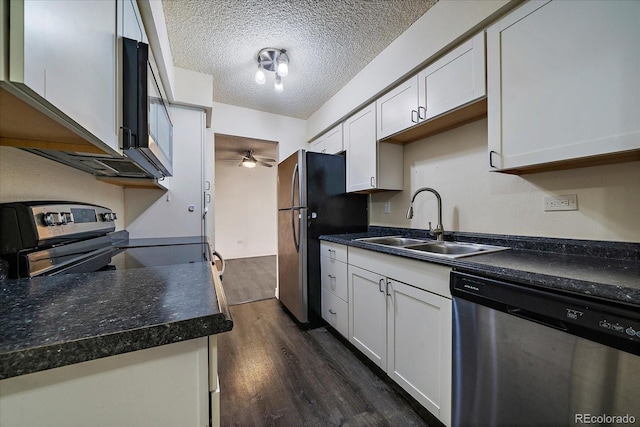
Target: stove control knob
54	218
109	216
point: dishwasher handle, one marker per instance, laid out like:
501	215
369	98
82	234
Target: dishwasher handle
538	318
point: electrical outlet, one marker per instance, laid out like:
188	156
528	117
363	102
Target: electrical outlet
566	202
387	207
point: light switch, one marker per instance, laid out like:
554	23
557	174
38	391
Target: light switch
387	207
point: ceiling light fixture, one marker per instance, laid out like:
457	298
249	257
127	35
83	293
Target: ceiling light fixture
248	163
275	60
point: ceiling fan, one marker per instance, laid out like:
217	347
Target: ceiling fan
250	161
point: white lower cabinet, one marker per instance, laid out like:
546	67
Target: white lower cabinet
335	297
170	385
419	345
400	318
368	318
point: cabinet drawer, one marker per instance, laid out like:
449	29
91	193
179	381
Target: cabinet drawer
336	312
334	277
334	251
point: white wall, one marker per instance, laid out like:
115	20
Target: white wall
155	213
245	210
287	131
454	163
25	176
447	23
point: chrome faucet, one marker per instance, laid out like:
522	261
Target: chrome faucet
438	232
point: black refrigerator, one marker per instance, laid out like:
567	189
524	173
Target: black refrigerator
312	201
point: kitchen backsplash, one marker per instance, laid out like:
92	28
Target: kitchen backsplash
25	176
475	200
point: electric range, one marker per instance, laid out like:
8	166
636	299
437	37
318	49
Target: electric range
46	238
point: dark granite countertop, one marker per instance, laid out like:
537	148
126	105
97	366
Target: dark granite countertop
604	270
55	321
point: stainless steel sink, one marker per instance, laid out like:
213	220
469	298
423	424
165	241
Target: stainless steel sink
454	248
393	241
433	247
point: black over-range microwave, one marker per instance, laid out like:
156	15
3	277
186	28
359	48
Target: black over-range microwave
147	136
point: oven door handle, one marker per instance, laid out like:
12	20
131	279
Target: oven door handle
217	254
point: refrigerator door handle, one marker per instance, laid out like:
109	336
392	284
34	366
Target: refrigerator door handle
294	177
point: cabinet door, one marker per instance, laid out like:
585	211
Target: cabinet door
81	65
334	277
419	345
398	109
318	145
367	314
336	312
563	82
454	80
334	141
360	143
130	23
28	40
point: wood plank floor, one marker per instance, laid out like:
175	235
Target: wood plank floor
249	279
272	373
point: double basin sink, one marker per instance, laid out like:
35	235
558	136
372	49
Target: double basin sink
433	247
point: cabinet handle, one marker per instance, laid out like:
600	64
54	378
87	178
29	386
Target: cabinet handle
331	277
388	283
380	285
373	182
414	116
127	144
208	198
422	116
331	311
491	158
208	185
332	253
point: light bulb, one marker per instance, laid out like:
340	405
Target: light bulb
283	63
260	76
278	85
248	163
283	69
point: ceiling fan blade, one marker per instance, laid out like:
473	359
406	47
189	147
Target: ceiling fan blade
263	163
264	159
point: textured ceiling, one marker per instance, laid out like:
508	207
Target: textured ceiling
328	42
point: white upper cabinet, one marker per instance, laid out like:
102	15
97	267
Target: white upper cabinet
329	142
564	85
130	23
453	81
397	110
371	166
334	140
65	52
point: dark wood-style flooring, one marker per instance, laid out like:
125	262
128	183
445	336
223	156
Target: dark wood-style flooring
273	373
249	279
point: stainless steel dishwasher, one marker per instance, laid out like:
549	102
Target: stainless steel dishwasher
524	356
